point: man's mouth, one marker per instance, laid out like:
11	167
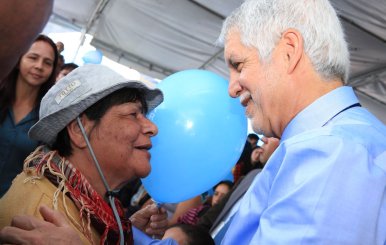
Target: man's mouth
245	97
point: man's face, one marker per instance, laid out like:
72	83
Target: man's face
255	83
121	142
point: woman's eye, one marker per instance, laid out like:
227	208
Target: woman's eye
136	114
49	63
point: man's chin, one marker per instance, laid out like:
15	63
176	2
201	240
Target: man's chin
257	127
249	114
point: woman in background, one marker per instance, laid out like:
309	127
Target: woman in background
20	95
192	216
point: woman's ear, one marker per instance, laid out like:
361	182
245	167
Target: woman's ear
75	133
293	42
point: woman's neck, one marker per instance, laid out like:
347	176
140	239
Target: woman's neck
25	93
25	100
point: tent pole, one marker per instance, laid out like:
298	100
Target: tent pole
94	16
212	58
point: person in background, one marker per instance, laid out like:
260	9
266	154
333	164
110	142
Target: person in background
325	183
193	215
20	23
60	46
260	154
186	234
20	95
220	190
61	61
243	164
96	138
255	161
65	69
253	139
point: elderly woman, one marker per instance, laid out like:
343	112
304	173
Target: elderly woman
96	138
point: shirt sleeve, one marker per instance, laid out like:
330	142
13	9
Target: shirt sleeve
141	238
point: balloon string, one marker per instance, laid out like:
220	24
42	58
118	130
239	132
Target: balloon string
159	205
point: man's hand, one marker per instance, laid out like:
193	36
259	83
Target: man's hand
151	220
54	229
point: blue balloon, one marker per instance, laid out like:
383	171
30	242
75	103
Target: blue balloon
201	134
93	57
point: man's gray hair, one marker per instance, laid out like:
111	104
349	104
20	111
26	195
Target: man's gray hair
262	22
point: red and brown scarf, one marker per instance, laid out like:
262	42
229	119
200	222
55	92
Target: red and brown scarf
93	209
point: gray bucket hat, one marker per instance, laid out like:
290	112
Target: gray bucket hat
80	89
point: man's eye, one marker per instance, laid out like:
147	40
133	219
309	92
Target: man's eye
236	65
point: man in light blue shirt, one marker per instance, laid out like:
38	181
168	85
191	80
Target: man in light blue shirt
326	182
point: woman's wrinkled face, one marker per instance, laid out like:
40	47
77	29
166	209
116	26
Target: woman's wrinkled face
37	65
121	142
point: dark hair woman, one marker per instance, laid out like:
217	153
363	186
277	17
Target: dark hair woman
20	95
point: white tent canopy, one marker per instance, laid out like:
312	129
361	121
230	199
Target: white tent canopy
160	37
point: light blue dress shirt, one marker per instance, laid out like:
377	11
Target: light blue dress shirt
324	184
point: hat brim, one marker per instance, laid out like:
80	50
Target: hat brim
47	128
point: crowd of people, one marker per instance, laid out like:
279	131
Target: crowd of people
22	91
74	141
28	89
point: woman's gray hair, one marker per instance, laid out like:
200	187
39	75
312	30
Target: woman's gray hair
262	22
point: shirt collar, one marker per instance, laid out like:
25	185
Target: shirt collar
320	111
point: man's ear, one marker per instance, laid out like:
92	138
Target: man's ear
75	133
293	48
